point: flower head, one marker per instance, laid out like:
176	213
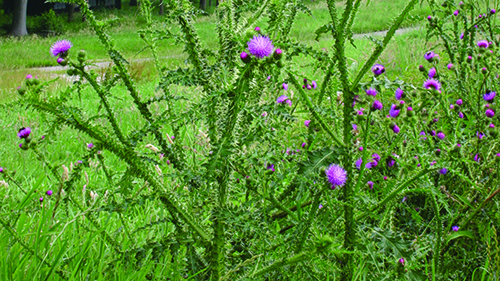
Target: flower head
394	112
377	105
358	163
260	46
336	175
459	102
24	133
285	86
396	129
489	96
432	72
307	122
378	69
432	84
41	199
49	192
443	171
455	13
281	99
429	56
402	261
1	170
390	162
314	84
60	48
270	167
90	145
450	66
371	92
490	113
399	94
455	228
460	115
483	44
29	76
440	135
370	184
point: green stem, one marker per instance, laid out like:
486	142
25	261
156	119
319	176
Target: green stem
435	258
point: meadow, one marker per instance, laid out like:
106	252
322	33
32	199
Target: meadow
183	165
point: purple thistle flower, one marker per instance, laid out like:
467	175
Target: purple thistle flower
459	102
376	157
378	69
433	133
440	135
390	162
452	106
60	48
307	122
49	192
450	66
477	158
336	175
460	115
320	206
270	167
314	85
396	129
257	28
245	58
29	76
370	184
269	77
489	96
41	199
462	36
1	170
303	145
385	178
455	13
432	72
308	87
60	60
483	44
493	11
443	171
371	92
402	261
24	133
354	127
394	112
360	148
490	113
260	46
377	105
429	56
281	99
285	86
404	199
358	163
264	114
455	228
432	84
289	102
90	145
399	94
422	133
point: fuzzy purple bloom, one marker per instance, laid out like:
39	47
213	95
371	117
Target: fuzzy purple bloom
377	105
90	145
483	44
303	145
41	199
49	192
459	102
455	13
396	129
358	163
314	84
432	72
23	133
402	261
390	162
245	57
306	123
378	69
432	84
60	60
490	113
429	56
376	157
371	92
320	206
399	94
370	184
493	11
60	48
354	127
455	228
394	112
440	135
281	99
270	167
460	115
489	96
443	171
1	170
285	86
450	66
336	175
260	46
477	158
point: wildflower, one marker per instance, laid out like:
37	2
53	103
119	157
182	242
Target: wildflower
440	135
450	66
483	44
385	178
245	57
394	112
61	48
404	199
307	122
49	192
477	158
314	84
489	96
402	261
354	127
1	170
360	148
455	13
257	28
270	167
432	84
443	171
399	94
358	163
24	133
378	69
371	92
264	114
303	145
429	56
260	46
390	162
29	76
281	99
459	102
455	228
278	53
452	106
480	135
432	72
460	115
370	184
395	129
490	113
493	11
90	145
462	36
285	86
320	206
41	199
336	175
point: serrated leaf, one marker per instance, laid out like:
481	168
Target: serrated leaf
319	158
458	234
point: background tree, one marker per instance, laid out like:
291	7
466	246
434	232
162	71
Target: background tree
19	18
203	5
132	3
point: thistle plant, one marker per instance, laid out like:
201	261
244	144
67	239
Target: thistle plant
261	173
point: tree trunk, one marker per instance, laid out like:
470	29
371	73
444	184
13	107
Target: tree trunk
19	18
161	7
132	3
203	5
71	11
